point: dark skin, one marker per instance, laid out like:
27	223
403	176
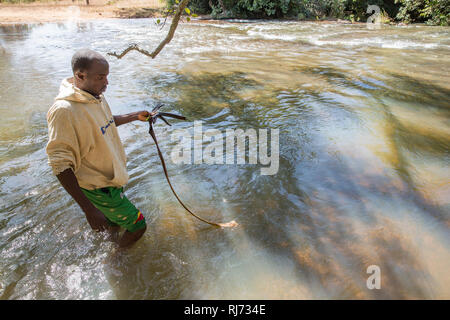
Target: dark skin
95	82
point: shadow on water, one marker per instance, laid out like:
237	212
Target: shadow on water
320	213
15	31
315	231
204	95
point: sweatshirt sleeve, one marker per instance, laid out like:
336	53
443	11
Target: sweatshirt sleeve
63	148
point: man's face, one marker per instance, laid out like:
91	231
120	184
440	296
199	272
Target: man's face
94	80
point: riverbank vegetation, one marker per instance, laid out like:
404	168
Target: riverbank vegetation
433	12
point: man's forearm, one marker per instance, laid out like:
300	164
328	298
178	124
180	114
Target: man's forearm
70	183
125	118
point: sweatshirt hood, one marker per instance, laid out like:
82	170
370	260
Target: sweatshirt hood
68	91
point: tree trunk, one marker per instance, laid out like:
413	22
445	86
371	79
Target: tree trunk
167	39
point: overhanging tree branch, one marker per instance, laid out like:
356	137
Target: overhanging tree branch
167	39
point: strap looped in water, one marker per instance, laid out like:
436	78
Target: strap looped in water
151	120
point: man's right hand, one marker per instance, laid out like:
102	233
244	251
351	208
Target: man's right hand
96	219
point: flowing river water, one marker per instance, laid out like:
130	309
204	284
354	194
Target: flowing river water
363	178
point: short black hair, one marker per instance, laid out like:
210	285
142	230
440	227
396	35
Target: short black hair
82	59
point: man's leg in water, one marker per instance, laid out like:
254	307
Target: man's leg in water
129	238
120	212
113	232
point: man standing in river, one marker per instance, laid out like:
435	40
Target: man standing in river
85	152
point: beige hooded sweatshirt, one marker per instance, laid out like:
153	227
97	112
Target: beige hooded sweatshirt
83	137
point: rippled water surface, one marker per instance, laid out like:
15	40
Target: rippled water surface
363	173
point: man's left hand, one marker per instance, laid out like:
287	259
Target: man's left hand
143	115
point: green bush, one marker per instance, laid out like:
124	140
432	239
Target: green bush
196	6
282	8
430	11
323	8
302	9
264	8
358	8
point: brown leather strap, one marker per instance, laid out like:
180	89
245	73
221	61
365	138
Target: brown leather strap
152	119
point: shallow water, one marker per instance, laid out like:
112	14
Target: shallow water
363	175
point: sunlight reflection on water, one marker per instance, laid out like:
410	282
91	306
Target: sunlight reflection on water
363	178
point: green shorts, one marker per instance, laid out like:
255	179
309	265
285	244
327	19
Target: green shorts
118	210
